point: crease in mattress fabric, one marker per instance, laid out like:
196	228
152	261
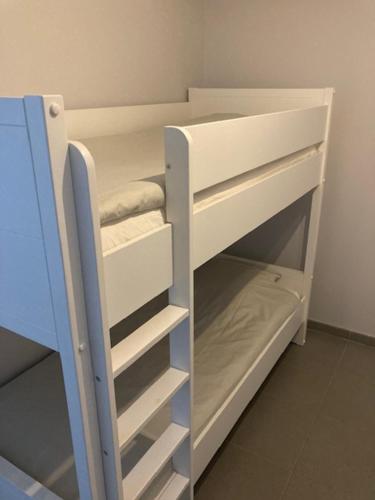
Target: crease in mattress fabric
238	309
227	350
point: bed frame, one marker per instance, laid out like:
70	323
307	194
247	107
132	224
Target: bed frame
58	288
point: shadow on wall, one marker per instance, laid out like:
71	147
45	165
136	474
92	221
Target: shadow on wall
281	240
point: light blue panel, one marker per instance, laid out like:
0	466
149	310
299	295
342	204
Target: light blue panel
24	287
19	210
12	111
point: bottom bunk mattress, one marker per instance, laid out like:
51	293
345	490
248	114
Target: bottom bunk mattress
239	307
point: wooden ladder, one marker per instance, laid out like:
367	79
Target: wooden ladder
175	320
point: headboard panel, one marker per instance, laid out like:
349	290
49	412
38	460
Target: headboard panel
25	298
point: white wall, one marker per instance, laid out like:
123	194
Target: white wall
97	52
310	43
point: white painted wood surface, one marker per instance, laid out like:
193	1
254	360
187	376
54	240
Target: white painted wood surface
146	336
242	212
49	149
84	188
175	488
314	222
205	101
222	150
141	476
181	340
16	485
139	413
84	123
137	272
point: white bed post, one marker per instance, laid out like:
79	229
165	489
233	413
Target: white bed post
180	213
49	148
313	224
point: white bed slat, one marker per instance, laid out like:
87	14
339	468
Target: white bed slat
140	477
222	150
135	345
147	405
251	207
138	272
175	487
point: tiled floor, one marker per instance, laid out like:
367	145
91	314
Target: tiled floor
310	432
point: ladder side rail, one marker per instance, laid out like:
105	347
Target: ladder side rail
49	149
179	203
84	187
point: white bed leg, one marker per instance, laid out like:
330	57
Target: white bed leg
313	228
300	336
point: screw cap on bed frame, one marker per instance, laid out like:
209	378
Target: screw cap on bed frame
54	109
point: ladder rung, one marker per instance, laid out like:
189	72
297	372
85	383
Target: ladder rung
176	485
141	476
132	347
146	406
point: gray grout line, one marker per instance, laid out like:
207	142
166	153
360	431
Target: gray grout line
308	434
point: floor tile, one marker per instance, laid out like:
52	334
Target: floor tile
239	475
351	399
272	431
336	464
299	384
360	359
322	347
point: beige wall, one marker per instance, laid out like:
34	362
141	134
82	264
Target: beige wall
97	52
308	43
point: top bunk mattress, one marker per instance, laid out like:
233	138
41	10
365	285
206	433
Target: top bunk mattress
130	172
130	169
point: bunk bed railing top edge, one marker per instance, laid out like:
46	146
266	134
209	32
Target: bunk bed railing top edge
297	93
92	122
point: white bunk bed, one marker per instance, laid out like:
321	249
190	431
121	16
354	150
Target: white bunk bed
84	246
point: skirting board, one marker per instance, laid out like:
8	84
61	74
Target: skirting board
341	332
